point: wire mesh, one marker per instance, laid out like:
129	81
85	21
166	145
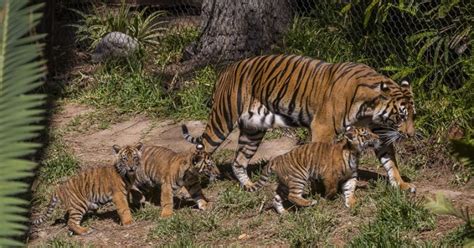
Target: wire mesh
429	42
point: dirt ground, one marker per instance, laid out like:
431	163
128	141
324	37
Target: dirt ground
93	147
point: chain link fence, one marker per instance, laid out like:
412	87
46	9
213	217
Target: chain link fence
429	42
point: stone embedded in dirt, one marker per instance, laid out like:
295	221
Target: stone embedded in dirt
114	44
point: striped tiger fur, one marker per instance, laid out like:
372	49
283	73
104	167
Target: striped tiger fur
333	163
96	186
174	171
270	91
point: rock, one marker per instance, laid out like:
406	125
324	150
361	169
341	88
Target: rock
114	44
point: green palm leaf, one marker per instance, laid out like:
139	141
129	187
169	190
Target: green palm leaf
20	73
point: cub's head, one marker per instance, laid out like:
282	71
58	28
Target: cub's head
128	158
395	109
202	161
361	138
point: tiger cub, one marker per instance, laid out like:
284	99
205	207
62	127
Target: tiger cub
96	186
332	163
173	171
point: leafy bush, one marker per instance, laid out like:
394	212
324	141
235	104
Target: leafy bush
146	29
20	73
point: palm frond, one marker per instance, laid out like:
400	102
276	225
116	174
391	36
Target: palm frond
19	75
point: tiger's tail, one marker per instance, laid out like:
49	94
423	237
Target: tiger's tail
188	137
52	205
263	180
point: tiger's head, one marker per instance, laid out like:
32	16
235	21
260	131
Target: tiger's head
395	109
361	138
128	158
203	163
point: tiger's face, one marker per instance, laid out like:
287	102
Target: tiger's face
361	138
395	108
128	158
203	163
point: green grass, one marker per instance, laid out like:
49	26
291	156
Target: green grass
192	101
172	45
398	217
235	200
308	227
58	163
61	242
125	91
184	223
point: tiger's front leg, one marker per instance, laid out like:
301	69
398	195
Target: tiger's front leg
193	187
123	210
386	155
166	200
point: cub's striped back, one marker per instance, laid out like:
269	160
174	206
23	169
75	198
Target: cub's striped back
96	186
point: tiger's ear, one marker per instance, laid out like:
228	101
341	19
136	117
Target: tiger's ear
384	87
405	84
116	148
139	146
200	147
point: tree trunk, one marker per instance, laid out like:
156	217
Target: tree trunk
235	29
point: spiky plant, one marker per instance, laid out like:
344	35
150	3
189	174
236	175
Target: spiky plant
20	73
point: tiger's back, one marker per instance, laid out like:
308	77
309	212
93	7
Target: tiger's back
332	163
171	171
94	187
270	91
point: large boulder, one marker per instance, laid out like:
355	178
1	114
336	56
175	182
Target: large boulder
114	44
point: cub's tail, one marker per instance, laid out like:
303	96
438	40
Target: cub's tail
188	137
52	205
263	180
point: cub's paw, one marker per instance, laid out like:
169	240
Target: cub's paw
165	213
202	205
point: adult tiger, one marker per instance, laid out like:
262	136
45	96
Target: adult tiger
271	91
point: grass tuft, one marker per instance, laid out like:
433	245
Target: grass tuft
308	227
397	215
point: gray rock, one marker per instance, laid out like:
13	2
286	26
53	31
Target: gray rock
114	44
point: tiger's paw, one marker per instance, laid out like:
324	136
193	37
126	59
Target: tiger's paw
249	186
165	213
408	187
127	222
202	205
313	202
350	203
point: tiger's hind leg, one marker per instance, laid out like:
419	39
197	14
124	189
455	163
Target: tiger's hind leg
74	222
295	195
280	195
249	140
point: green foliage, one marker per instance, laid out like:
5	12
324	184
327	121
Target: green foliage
425	42
20	73
129	92
192	101
236	200
442	206
183	224
145	29
64	242
307	227
173	43
396	214
59	163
